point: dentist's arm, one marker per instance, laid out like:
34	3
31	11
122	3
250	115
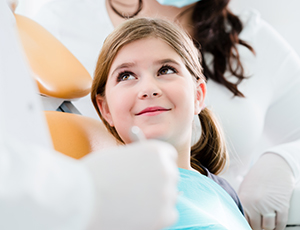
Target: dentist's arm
42	189
267	188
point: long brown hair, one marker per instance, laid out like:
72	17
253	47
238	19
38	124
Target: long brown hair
216	31
210	151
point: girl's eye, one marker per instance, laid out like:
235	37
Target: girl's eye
166	70
124	76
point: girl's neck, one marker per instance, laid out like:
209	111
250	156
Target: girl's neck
184	156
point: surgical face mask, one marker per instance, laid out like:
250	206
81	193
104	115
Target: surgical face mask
177	3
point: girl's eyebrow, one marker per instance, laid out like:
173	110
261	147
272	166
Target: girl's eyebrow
167	60
123	65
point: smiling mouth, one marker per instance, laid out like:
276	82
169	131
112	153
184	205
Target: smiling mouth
152	111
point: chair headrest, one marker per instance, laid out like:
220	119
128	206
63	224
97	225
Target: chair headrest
56	70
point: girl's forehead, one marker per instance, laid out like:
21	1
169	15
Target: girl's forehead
146	43
146	49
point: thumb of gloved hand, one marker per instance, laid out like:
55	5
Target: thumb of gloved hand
266	191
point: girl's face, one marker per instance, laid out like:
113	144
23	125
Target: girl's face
149	86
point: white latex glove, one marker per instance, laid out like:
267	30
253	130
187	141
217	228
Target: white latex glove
136	186
266	191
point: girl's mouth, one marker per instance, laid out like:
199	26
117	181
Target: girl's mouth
152	111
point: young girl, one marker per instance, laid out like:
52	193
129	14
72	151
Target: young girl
149	75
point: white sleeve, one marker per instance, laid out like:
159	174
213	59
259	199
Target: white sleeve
282	120
42	189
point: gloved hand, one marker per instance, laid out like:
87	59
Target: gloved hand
136	186
266	191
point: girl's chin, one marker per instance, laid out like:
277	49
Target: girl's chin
157	135
149	133
128	140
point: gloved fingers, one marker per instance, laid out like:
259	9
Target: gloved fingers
275	220
254	219
281	219
269	221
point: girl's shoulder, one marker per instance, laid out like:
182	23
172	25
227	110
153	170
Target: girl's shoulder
194	176
227	187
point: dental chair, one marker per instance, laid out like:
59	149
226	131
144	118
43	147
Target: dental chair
60	77
77	135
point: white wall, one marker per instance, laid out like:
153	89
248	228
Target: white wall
282	15
30	7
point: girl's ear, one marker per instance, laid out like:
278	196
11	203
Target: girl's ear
200	96
104	109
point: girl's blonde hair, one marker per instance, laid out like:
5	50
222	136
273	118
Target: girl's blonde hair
210	150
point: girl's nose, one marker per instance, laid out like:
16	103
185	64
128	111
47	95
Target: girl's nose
146	95
150	89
